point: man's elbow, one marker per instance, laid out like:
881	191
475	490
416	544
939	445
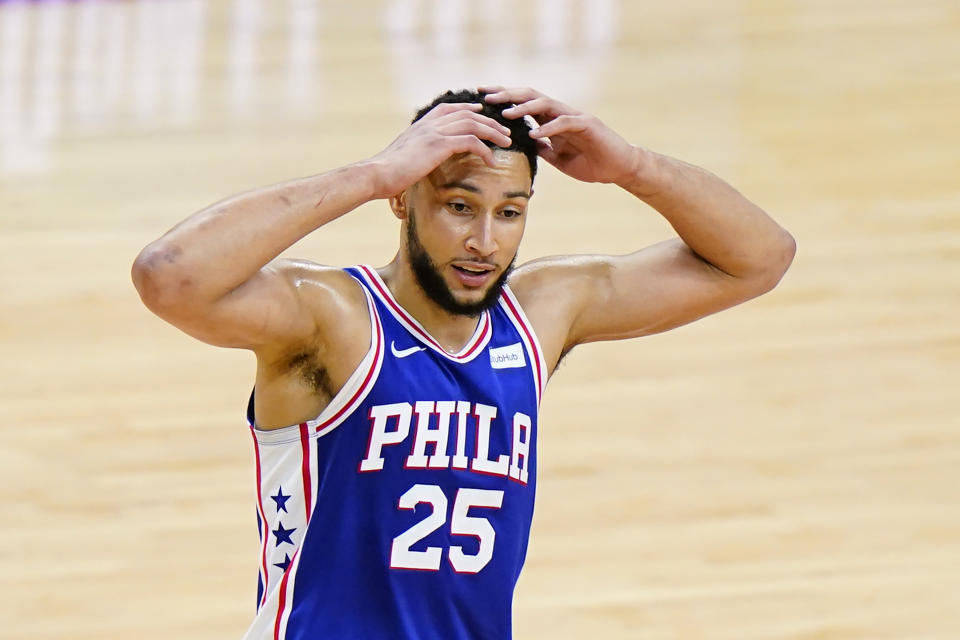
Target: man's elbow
161	284
780	257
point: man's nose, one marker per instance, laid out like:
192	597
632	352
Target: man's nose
481	240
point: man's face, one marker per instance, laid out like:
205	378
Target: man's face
465	222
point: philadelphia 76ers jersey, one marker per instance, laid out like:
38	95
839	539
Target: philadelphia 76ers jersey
402	511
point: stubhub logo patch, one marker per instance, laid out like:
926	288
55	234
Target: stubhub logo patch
507	357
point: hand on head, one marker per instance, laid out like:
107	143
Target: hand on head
448	129
577	143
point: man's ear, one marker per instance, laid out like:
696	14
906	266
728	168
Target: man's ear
398	204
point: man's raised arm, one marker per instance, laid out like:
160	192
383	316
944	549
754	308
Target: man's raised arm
212	275
728	249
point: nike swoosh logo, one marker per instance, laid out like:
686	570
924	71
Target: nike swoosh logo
403	353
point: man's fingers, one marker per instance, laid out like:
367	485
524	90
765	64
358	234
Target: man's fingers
473	144
478	129
517	95
542	106
458	116
559	125
446	108
546	151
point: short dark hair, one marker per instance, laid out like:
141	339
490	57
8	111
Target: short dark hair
520	139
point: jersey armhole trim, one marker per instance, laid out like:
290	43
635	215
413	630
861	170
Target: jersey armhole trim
350	396
524	327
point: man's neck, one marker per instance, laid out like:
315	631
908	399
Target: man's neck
452	331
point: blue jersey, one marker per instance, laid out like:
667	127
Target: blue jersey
403	510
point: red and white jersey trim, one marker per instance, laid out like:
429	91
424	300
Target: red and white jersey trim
288	473
264	525
475	345
539	366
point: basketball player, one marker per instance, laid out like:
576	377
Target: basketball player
394	416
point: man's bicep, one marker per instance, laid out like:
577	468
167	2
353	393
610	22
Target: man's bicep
652	290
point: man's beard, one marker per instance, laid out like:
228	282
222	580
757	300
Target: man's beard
431	280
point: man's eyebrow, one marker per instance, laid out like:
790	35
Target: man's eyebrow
516	194
460	185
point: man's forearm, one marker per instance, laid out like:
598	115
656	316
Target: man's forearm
718	223
231	240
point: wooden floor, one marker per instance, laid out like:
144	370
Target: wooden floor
785	470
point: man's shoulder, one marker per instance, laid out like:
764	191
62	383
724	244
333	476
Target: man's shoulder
332	297
308	276
296	378
551	291
552	279
301	268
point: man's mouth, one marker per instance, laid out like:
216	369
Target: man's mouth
473	274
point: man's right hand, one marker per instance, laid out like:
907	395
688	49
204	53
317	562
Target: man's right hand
448	129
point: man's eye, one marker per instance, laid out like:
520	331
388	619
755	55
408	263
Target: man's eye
510	213
459	207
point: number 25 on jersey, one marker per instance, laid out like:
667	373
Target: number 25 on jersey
461	524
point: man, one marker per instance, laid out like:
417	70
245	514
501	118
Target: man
395	409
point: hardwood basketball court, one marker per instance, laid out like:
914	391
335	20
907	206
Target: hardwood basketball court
784	470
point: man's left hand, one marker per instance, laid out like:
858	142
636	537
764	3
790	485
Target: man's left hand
577	143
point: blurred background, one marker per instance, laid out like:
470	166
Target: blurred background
784	470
